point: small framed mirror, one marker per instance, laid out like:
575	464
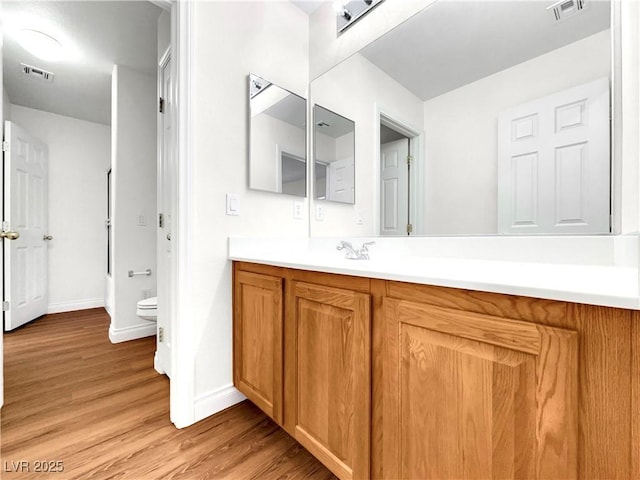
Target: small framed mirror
277	139
334	156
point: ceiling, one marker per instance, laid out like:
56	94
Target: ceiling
104	33
308	6
453	42
292	109
331	124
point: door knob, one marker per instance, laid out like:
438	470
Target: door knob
169	236
10	235
47	237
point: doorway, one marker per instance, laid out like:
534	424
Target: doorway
399	179
149	216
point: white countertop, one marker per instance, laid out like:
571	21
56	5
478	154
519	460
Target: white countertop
607	285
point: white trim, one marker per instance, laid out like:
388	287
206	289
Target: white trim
117	335
163	4
75	305
278	168
157	365
182	385
215	401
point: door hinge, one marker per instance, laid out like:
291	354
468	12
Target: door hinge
160	220
5	146
5	306
160	334
409	159
161	105
409	228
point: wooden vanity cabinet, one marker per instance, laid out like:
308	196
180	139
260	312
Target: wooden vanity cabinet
327	375
390	380
257	340
477	396
302	353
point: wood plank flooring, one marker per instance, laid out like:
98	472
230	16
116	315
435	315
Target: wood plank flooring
103	412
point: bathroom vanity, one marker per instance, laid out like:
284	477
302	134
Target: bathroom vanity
380	378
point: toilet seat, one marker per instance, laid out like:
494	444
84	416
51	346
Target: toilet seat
148	308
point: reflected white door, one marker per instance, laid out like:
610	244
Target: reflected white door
394	187
165	201
554	163
342	181
26	212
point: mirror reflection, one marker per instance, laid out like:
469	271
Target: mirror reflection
334	156
482	118
277	136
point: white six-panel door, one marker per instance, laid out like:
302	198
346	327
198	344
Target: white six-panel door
342	181
26	212
554	163
394	188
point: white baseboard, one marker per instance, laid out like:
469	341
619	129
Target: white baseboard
75	305
117	335
215	401
157	366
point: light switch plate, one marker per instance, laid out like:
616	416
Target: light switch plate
320	213
298	210
233	204
141	220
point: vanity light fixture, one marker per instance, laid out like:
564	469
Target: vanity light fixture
348	12
40	44
341	10
566	8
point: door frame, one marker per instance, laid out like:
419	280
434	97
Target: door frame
416	177
165	200
183	345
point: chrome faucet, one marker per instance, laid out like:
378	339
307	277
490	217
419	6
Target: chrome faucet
355	254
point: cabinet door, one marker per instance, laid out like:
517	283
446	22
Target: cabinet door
257	340
328	369
474	396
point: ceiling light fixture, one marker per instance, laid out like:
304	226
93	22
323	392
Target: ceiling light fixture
43	46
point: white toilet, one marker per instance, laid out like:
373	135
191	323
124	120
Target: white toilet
148	309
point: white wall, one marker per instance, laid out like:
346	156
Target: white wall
267	133
357	90
79	156
134	194
269	39
462	132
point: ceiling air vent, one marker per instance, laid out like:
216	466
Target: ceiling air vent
37	73
566	8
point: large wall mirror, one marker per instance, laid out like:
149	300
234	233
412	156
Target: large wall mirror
334	156
481	118
277	136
